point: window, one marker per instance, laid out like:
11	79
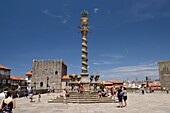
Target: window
41	84
56	72
4	81
67	83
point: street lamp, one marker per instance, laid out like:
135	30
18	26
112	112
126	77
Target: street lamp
47	82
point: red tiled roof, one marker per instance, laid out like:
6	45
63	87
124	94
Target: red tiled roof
154	85
74	74
3	67
117	81
109	87
66	77
28	73
16	78
107	83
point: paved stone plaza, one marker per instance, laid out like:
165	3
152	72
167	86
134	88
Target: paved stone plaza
157	102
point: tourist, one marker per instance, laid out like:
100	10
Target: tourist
167	90
8	103
111	93
39	97
114	92
99	93
81	88
120	94
48	91
65	93
30	92
164	89
153	89
25	93
143	90
104	92
18	91
124	96
2	96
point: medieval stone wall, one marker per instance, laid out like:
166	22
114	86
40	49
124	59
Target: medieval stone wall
47	74
164	73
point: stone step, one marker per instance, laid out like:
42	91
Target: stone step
84	102
83	97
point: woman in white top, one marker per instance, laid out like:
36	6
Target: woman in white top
125	96
64	96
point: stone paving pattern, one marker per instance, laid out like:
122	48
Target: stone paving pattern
158	102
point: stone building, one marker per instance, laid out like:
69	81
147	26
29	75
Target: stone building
4	76
48	74
164	73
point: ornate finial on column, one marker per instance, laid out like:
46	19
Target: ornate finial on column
97	77
91	77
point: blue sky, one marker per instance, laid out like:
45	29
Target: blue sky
126	38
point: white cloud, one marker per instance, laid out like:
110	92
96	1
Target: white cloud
108	59
139	71
64	19
96	10
104	62
51	15
112	56
74	66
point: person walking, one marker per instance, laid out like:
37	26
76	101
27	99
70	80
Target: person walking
119	95
18	91
65	93
39	97
124	96
30	91
143	90
8	103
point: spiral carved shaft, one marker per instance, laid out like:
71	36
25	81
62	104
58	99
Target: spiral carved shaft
84	31
84	55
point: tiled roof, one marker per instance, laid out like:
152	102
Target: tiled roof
16	78
107	83
154	85
109	87
74	74
3	67
117	81
66	77
28	73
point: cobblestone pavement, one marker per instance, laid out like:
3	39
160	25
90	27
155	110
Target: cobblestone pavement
157	102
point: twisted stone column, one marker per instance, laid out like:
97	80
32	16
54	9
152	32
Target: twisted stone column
84	30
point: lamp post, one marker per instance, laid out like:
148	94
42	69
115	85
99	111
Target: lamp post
147	78
47	82
35	85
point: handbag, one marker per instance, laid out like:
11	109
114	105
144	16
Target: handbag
6	108
67	95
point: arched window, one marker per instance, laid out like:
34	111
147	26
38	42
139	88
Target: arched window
41	84
56	72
